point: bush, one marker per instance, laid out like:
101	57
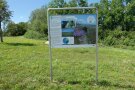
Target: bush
35	35
110	40
118	38
16	29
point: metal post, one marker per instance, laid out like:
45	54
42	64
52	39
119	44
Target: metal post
50	49
97	48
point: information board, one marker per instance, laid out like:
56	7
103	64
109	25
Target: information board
78	30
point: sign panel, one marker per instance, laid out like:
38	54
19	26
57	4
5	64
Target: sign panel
73	30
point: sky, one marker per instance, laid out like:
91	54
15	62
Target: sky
21	9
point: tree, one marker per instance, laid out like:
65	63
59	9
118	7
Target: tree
128	1
73	3
83	3
79	3
5	14
57	3
104	16
129	16
21	28
13	29
38	20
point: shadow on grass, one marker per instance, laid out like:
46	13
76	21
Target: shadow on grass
74	82
71	82
103	83
20	44
107	83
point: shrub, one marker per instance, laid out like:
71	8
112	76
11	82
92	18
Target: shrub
16	29
118	38
35	35
110	40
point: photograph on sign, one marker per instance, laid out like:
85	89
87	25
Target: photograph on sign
71	30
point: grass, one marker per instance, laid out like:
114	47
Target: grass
24	65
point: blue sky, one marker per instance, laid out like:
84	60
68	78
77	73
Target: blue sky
23	8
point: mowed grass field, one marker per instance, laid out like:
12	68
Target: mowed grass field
24	65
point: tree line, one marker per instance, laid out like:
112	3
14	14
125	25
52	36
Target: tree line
112	14
116	19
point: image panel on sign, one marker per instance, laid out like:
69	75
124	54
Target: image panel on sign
80	35
67	40
67	24
85	30
67	32
67	28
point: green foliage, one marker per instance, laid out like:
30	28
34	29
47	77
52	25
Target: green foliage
5	13
116	19
119	38
35	35
37	26
11	29
117	22
21	28
114	13
16	29
38	23
78	3
57	4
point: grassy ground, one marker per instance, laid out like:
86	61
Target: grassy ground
24	65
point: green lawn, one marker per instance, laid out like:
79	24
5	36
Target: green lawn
24	65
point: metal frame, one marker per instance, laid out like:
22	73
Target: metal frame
49	37
97	48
